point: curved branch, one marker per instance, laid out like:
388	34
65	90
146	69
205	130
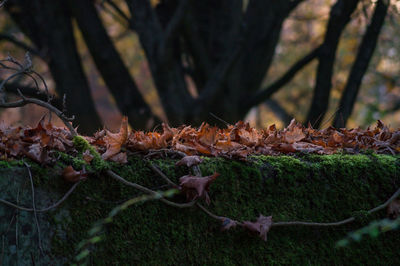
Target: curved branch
149	191
55	205
20	44
24	101
342	222
266	93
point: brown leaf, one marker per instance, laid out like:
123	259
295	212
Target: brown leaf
114	141
189	161
293	133
70	175
393	210
261	226
197	187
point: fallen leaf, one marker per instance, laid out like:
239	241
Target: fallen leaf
294	135
71	175
261	226
197	187
114	141
189	161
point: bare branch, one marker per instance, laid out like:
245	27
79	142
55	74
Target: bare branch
342	222
172	28
34	207
24	101
26	47
149	191
266	93
214	84
55	205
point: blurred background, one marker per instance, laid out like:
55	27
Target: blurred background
323	62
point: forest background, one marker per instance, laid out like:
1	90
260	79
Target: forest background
183	62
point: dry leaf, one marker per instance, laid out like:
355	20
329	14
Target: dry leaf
114	141
197	187
69	174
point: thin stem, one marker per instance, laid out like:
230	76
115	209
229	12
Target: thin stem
149	191
342	222
25	100
58	203
34	208
162	175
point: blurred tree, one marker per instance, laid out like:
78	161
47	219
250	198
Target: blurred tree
204	56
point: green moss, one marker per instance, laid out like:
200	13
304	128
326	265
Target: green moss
306	187
83	145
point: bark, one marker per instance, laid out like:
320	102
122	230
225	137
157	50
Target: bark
339	17
364	55
48	24
109	63
167	71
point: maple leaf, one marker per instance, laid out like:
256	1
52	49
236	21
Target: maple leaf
261	226
207	135
189	161
71	175
197	187
393	209
293	133
114	141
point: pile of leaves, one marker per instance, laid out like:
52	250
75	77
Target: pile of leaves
234	141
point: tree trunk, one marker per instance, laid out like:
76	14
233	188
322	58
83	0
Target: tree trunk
339	17
48	24
109	63
365	52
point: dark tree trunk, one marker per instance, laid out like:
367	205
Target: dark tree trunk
365	52
339	17
109	63
166	67
48	24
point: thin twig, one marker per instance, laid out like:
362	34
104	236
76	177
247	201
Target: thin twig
25	100
34	208
149	191
342	222
162	175
58	203
212	215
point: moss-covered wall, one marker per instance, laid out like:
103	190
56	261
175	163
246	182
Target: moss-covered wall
307	188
